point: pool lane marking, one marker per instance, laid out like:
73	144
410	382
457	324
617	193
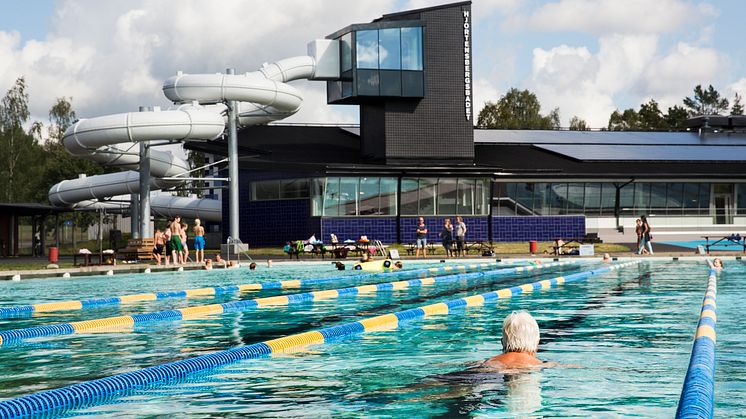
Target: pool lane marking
698	391
17	335
92	303
88	393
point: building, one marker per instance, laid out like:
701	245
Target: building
416	153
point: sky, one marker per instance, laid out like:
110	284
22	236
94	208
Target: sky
586	57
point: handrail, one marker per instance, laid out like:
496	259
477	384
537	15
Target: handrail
126	322
698	393
90	392
93	303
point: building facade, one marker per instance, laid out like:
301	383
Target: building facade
416	153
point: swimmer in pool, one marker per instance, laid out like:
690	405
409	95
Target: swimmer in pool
520	341
716	264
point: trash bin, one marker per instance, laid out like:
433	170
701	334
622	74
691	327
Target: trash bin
54	254
532	247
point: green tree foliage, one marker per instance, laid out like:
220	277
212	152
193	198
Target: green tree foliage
705	102
737	108
628	120
650	117
577	124
517	109
20	153
676	118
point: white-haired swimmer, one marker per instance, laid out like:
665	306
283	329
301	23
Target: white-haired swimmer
520	341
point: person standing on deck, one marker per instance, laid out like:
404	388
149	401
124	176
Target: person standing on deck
199	241
176	248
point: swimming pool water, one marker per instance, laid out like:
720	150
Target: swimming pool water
624	339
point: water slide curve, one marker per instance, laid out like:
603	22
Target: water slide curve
199	115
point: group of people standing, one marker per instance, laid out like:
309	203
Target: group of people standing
644	238
449	235
171	243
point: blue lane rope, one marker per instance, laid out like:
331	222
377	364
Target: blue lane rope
127	322
27	310
96	391
698	393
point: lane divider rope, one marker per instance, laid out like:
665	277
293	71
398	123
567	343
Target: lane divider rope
698	393
96	391
127	322
27	310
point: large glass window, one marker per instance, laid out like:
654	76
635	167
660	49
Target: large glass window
592	200
465	196
279	189
409	196
658	198
317	196
389	49
359	196
388	196
367	49
411	48
608	198
428	192
447	190
575	198
369	196
348	191
345	46
331	196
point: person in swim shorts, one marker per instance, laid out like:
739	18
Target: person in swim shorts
199	241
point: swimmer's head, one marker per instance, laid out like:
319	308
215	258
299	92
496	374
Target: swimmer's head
520	333
717	262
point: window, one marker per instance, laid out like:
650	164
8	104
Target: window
411	48
409	196
279	189
426	201
447	189
389	49
367	49
657	197
345	46
317	196
359	196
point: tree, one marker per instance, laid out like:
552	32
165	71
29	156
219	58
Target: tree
676	118
19	151
705	102
61	117
628	120
650	117
577	124
737	108
517	109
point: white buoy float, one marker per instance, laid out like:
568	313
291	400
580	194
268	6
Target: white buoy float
66	275
181	269
16	277
110	272
146	271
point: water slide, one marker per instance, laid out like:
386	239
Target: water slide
199	115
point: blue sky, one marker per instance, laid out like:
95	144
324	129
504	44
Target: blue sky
587	57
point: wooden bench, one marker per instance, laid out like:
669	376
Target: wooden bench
139	249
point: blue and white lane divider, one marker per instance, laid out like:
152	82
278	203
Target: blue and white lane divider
127	322
698	393
27	310
97	391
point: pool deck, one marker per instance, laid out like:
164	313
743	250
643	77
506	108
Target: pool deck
662	252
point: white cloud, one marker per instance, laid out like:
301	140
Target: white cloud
113	56
610	16
626	71
673	76
738	87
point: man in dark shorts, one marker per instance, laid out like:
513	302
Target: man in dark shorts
158	250
175	241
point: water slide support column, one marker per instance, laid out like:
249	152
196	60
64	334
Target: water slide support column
145	190
233	164
135	215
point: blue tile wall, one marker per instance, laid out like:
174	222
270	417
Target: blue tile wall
351	228
269	223
476	228
544	228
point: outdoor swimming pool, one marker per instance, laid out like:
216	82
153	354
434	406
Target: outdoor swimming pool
625	338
